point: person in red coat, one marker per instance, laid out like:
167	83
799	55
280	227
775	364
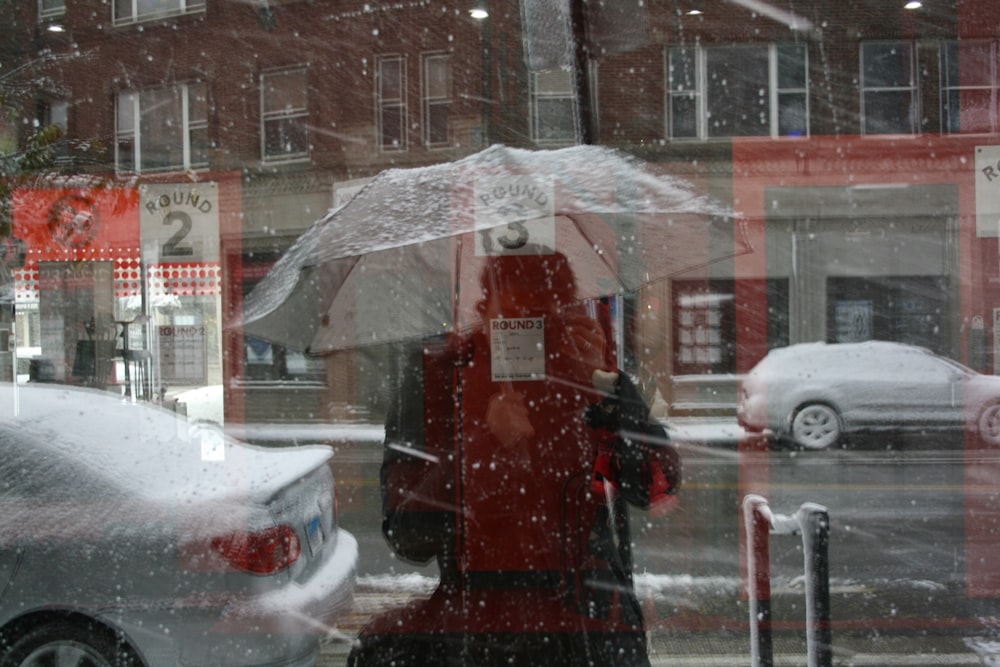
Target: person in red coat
501	464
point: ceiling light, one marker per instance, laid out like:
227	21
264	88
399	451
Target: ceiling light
479	10
55	27
913	4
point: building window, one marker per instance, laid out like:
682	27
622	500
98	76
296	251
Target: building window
284	115
436	98
162	129
55	114
133	11
48	9
888	88
684	98
391	87
738	91
969	87
703	315
704	322
553	107
904	309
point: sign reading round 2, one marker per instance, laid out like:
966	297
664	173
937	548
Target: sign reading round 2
182	219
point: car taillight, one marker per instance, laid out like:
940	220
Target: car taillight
265	551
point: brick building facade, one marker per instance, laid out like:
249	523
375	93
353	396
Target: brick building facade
822	109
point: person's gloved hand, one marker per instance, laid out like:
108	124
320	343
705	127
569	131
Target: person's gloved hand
507	418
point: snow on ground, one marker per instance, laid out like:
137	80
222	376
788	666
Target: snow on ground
987	649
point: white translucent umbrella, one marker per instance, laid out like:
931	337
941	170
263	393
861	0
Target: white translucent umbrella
402	259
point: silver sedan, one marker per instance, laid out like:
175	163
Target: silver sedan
123	542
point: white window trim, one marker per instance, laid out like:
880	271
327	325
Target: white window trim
397	104
992	87
776	92
297	112
913	88
183	7
133	134
427	100
701	97
533	112
701	110
136	133
46	14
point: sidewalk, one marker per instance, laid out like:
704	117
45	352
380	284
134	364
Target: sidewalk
718	635
715	649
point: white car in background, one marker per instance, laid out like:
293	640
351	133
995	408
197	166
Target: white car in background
816	395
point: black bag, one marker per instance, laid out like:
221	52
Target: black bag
641	462
417	474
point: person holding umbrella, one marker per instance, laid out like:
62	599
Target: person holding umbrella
511	454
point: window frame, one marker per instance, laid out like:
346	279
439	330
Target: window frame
947	87
386	104
57	9
698	91
913	88
431	102
135	16
134	134
283	115
55	111
535	114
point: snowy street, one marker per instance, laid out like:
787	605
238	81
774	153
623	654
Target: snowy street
897	577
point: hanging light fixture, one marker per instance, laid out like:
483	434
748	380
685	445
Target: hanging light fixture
479	10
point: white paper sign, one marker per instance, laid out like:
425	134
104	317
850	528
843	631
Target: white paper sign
514	215
987	191
517	347
183	220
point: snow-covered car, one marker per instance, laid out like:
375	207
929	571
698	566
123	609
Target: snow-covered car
815	395
202	406
122	543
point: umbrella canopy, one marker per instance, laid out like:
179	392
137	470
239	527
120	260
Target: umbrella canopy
402	259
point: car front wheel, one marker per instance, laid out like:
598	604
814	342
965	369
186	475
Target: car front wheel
816	426
65	643
989	425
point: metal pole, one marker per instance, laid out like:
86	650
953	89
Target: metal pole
815	523
581	71
757	522
13	358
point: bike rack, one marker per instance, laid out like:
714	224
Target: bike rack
813	523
